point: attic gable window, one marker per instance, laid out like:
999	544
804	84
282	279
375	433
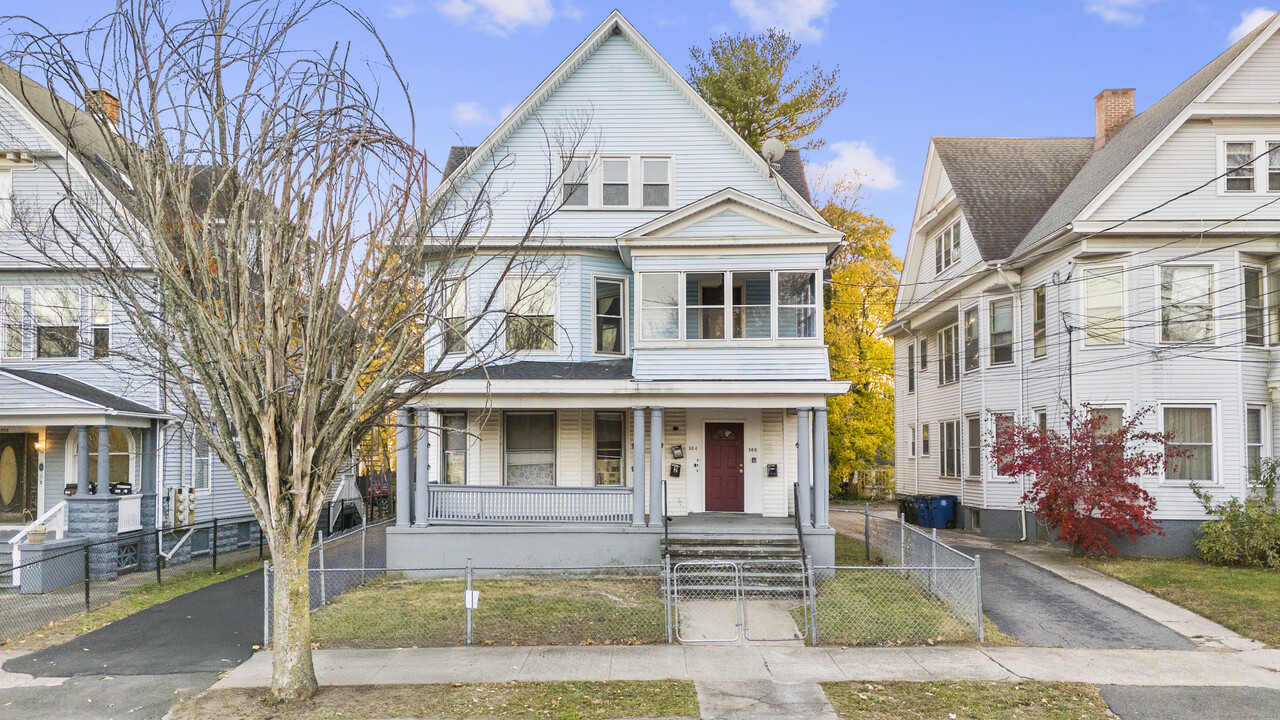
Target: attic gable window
946	247
617	182
1248	165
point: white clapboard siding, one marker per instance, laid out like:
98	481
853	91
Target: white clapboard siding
1256	81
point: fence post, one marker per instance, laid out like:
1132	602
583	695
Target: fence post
977	587
323	596
86	577
466	602
215	544
933	562
666	596
866	530
813	605
266	604
159	557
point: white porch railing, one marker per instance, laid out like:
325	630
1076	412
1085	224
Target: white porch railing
129	514
496	504
54	519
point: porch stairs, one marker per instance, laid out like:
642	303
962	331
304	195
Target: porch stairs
768	556
6	559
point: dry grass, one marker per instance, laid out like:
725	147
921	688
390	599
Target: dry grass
509	701
967	701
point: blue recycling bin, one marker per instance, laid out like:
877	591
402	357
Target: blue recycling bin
924	511
942	512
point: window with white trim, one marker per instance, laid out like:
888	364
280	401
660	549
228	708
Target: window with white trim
971	339
6	198
948	357
797	304
119	457
751	299
1042	419
454	447
1249	165
455	315
1000	421
660	306
946	247
924	439
610	446
742	305
610	309
531	313
1255	329
1039	334
1104	306
924	354
11	322
704	306
1239	167
973	442
949	463
617	182
911	367
56	313
1254	441
100	320
1110	419
1186	303
1001	331
529	447
911	434
201	462
1192	439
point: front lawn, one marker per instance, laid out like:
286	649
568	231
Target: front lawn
1243	599
515	701
386	613
970	700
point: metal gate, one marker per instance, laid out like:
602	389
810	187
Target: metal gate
724	601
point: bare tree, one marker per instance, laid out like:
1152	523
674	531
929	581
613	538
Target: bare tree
271	240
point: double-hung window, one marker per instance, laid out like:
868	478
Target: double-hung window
11	322
530	447
1254	441
1103	306
617	182
971	339
924	354
973	441
201	462
950	439
100	317
660	306
610	445
531	308
454	447
576	183
610	301
1001	331
455	316
1192	440
911	368
56	312
948	359
946	247
1240	167
1002	423
657	182
6	198
1039	334
1255	329
911	435
1186	303
924	439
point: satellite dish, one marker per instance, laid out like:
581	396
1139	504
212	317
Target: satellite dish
773	149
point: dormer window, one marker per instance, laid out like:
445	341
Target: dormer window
617	182
946	247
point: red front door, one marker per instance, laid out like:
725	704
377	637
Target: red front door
724	467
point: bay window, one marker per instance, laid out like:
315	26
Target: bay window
455	316
1192	439
610	444
747	305
610	313
971	339
529	447
1255	331
660	306
1186	303
531	319
751	305
56	312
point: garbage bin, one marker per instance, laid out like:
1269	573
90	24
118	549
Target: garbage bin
907	508
942	510
924	511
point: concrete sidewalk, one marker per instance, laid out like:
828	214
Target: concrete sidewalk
709	664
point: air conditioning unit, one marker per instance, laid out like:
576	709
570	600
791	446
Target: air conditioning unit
182	506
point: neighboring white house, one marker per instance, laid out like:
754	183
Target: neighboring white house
668	338
68	385
1134	269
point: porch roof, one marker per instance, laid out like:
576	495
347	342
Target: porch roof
574	392
29	397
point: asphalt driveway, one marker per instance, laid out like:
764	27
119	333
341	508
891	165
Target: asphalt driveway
1040	608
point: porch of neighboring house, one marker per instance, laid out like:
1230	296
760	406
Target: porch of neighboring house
578	480
79	463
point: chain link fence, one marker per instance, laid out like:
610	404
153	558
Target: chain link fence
61	584
900	586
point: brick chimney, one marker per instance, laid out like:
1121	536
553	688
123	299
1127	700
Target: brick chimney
104	105
1113	109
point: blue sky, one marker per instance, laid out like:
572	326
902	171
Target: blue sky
914	68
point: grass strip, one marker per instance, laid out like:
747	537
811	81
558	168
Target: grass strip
971	700
515	701
1243	599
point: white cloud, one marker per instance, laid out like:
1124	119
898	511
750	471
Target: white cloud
470	113
401	9
1249	20
1120	12
801	18
505	110
498	16
858	158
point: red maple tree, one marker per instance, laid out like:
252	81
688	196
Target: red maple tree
1083	481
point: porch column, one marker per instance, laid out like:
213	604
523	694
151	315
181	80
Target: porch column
637	467
404	473
655	467
821	467
804	467
104	459
82	460
423	473
149	446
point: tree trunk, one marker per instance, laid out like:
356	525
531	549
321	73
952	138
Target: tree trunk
293	677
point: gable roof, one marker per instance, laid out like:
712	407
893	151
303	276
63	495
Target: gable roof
1111	160
790	223
83	392
616	24
1004	185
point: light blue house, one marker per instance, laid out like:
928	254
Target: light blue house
661	346
89	445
